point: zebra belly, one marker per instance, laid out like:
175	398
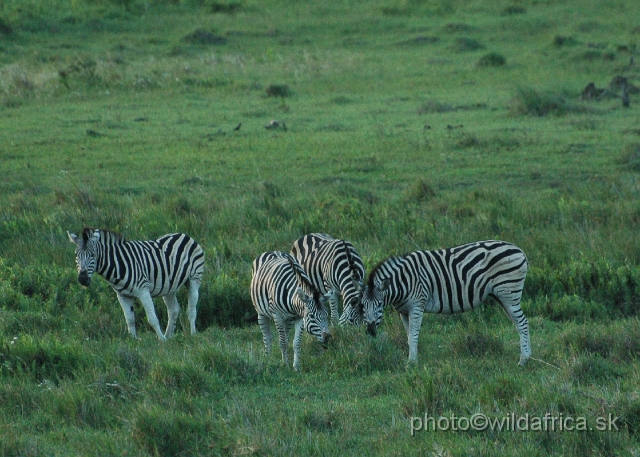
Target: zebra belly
157	291
284	315
449	307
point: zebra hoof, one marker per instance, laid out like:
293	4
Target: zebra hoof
523	361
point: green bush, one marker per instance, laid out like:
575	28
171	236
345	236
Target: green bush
596	283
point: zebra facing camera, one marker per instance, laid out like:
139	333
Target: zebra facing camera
84	279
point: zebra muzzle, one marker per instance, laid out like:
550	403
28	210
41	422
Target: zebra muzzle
371	329
84	279
326	336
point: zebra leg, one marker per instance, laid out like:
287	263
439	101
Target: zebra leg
173	309
297	344
522	326
415	322
405	322
192	298
147	303
283	328
333	305
127	307
267	337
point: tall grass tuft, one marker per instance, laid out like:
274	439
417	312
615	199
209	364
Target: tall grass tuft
169	433
185	378
630	157
476	342
41	359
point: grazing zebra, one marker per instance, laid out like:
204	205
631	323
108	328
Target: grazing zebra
334	268
281	290
448	281
143	270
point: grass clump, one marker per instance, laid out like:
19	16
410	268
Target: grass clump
204	37
476	342
501	390
492	59
573	308
630	157
592	368
531	102
46	359
513	10
229	8
169	433
465	44
5	27
619	343
420	191
189	379
561	40
278	90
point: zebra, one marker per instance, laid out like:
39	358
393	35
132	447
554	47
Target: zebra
448	281
334	268
281	291
143	270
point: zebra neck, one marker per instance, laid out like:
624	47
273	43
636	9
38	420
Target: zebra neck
297	306
106	259
402	284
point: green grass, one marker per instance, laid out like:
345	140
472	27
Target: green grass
410	125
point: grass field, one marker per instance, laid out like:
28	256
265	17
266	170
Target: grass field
409	125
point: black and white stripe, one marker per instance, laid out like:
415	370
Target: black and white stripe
335	269
449	281
281	291
143	270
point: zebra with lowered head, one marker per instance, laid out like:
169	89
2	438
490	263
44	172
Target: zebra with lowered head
448	281
281	291
336	269
143	270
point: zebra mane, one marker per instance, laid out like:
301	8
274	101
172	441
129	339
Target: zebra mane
349	258
301	277
374	270
106	236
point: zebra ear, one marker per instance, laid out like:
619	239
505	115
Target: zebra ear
384	285
302	296
73	238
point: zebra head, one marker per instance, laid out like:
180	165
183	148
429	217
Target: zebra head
86	254
373	302
315	316
353	313
352	288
